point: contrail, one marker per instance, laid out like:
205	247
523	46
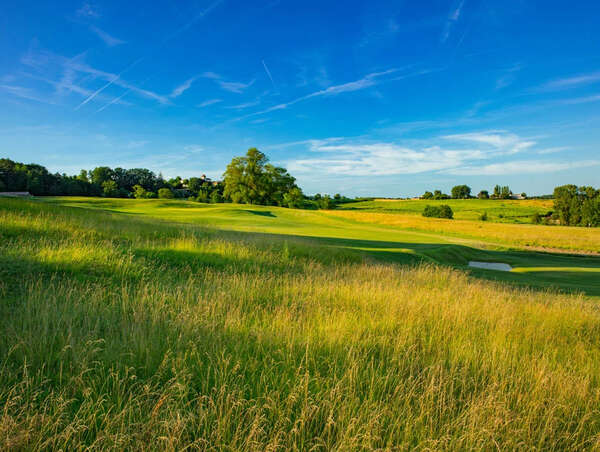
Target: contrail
168	38
268	73
115	100
114	79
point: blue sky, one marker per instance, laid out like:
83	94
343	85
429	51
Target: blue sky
363	98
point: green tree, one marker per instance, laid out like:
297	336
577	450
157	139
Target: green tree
101	174
215	197
461	192
139	192
294	199
483	194
252	180
441	211
110	189
165	193
427	195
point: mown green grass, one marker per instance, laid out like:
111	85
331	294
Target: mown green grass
365	232
127	332
501	211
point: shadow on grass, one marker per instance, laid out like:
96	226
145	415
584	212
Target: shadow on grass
262	213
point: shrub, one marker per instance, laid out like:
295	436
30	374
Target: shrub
441	211
165	193
483	216
536	218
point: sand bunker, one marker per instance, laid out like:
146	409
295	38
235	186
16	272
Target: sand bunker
491	266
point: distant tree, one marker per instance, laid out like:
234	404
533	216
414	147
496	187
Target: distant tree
202	196
294	198
83	176
441	211
165	193
139	192
461	192
483	194
523	195
101	174
110	189
427	195
325	203
215	197
437	194
505	193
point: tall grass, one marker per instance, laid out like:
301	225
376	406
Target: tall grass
128	334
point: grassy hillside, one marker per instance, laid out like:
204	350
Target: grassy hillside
396	238
501	211
154	329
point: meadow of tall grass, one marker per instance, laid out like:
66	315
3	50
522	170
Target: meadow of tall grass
127	333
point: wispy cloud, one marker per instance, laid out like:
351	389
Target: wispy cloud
452	20
582	100
234	87
136	144
447	154
367	81
506	143
208	102
182	88
244	105
521	167
25	93
88	10
269	74
571	82
109	40
508	77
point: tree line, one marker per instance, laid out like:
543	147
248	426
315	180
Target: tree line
577	206
464	192
249	179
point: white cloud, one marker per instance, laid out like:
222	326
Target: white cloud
234	87
583	100
208	102
178	91
507	143
88	10
520	167
136	144
447	154
452	19
571	82
109	40
367	81
244	105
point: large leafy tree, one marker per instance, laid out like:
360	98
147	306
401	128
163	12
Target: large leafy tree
252	180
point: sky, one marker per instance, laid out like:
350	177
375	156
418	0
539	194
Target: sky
363	98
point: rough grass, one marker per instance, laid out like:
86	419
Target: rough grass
127	333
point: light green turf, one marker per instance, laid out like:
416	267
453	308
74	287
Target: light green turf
536	269
502	211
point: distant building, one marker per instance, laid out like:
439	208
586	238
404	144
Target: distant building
517	196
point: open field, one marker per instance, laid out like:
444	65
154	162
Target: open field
501	211
396	238
161	325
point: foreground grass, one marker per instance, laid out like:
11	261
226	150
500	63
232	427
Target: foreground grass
130	334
